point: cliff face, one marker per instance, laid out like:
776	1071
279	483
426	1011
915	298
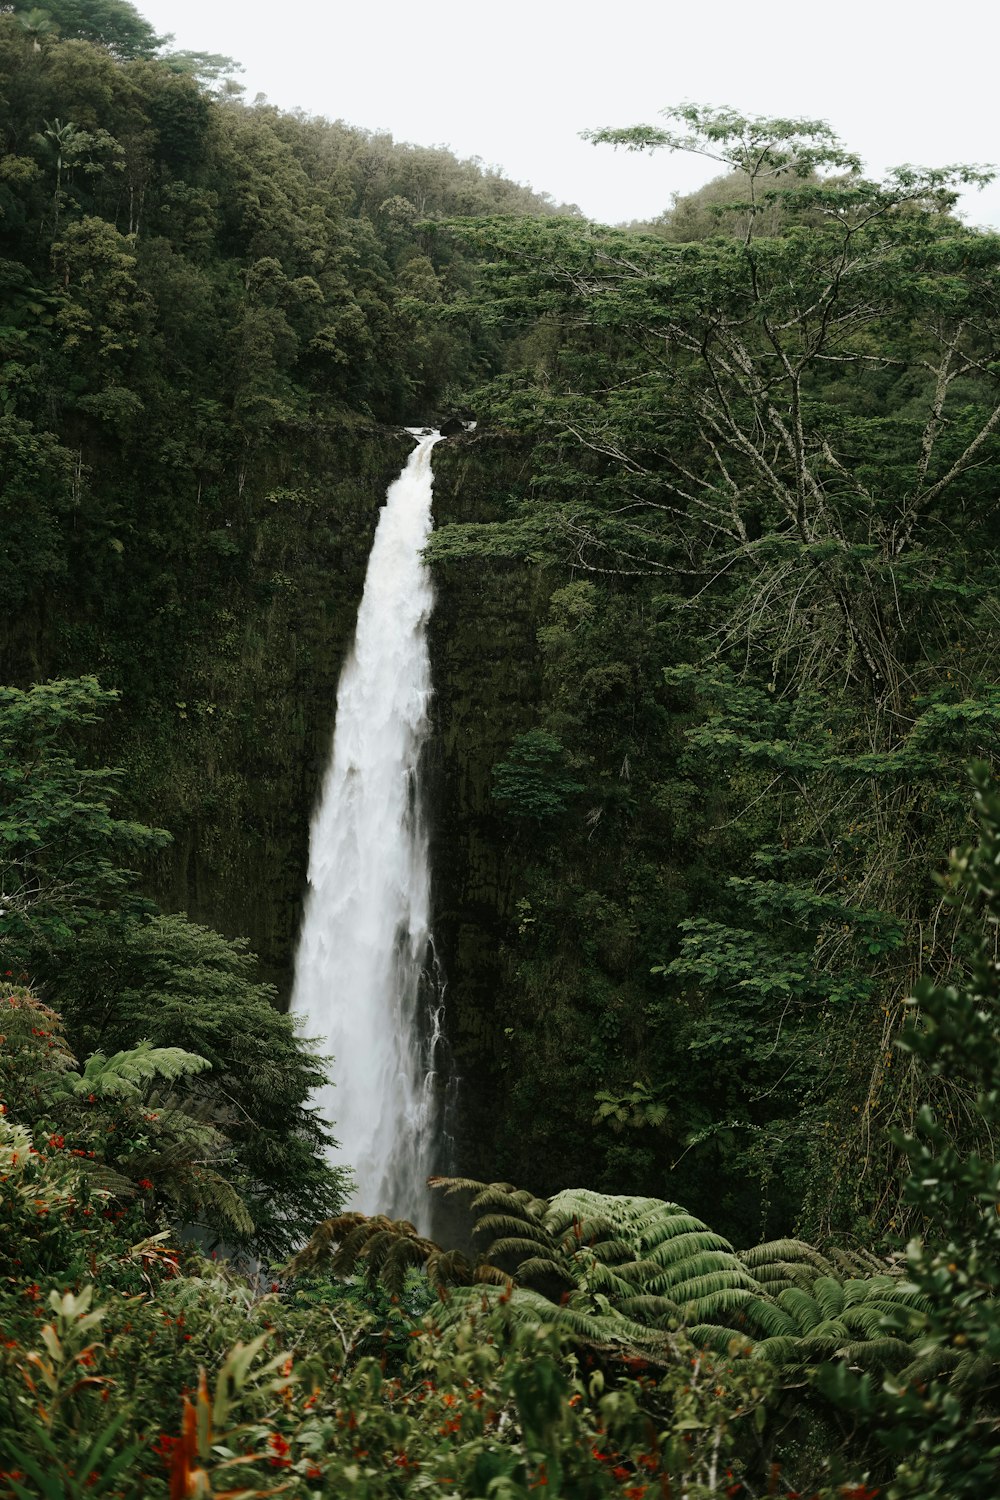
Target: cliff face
234	771
487	681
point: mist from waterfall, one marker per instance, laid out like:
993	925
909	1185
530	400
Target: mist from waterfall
364	983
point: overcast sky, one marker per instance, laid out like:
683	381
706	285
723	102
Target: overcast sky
515	83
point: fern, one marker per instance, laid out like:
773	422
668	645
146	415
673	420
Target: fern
877	1353
802	1307
769	1319
829	1293
381	1248
125	1074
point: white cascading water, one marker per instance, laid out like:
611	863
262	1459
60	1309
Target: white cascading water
361	980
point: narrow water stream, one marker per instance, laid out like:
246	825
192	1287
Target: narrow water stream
364	981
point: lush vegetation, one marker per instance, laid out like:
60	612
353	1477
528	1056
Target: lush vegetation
715	645
755	496
601	1345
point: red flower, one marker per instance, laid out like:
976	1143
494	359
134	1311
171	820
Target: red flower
279	1448
164	1447
144	1182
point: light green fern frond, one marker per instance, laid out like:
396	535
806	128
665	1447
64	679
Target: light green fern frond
769	1320
125	1073
785	1252
829	1293
726	1301
802	1307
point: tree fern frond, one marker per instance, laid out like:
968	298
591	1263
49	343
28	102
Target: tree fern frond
351	1242
829	1293
712	1306
581	1227
975	1373
124	1073
496	1223
658	1233
893	1298
720	1338
450	1268
778	1275
105	1179
511	1201
450	1185
690	1242
701	1275
212	1191
867	1321
830	1328
818	1346
928	1365
877	1353
802	1307
859	1262
768	1320
615	1252
787	1252
599	1277
782	1350
543	1265
859	1290
654	1311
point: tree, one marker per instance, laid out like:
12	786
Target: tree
61	845
780	443
114	24
166	981
939	1418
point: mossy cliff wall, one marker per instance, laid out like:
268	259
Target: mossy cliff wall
232	765
486	674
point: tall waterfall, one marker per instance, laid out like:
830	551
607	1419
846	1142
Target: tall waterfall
363	981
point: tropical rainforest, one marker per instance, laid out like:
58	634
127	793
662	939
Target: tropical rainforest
715	831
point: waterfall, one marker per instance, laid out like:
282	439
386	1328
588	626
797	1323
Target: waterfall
365	985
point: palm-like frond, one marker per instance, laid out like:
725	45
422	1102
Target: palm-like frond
726	1301
688	1242
876	1353
381	1248
784	1252
802	1307
126	1073
718	1337
929	1364
769	1320
829	1293
703	1280
654	1312
516	1239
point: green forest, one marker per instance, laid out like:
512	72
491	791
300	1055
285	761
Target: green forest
714	832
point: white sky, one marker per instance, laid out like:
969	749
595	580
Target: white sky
514	83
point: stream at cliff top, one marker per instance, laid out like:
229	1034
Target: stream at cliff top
364	977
